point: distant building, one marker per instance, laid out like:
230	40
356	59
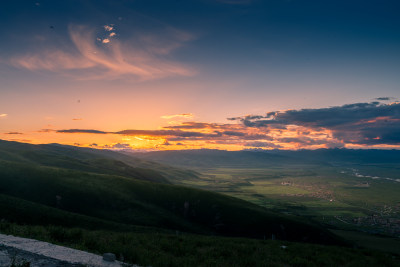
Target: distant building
363	184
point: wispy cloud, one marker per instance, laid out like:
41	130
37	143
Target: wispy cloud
46	131
183	115
108	27
384	98
56	61
12	133
3	115
144	57
81	131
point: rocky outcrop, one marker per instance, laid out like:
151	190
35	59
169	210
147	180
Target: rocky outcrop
22	251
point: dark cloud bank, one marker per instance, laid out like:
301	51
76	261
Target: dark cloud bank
359	123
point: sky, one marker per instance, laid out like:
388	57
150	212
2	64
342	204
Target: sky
190	74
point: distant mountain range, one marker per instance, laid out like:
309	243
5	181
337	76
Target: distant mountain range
210	158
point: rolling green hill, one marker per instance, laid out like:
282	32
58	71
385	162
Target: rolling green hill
91	160
89	183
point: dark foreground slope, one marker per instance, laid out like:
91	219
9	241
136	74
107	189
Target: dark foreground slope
162	249
50	187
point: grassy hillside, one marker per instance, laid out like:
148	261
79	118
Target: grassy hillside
180	249
116	197
90	160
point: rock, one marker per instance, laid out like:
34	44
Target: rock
109	257
36	253
5	259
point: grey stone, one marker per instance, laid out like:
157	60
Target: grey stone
5	259
43	254
109	257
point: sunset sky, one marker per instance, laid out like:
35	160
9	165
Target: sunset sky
189	74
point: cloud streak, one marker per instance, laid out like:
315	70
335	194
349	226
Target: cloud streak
108	27
13	133
384	98
79	131
183	115
142	58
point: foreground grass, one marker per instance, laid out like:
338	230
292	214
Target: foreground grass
157	249
375	242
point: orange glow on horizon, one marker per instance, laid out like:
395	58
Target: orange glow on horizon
209	137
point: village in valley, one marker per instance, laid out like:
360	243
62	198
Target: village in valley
327	199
